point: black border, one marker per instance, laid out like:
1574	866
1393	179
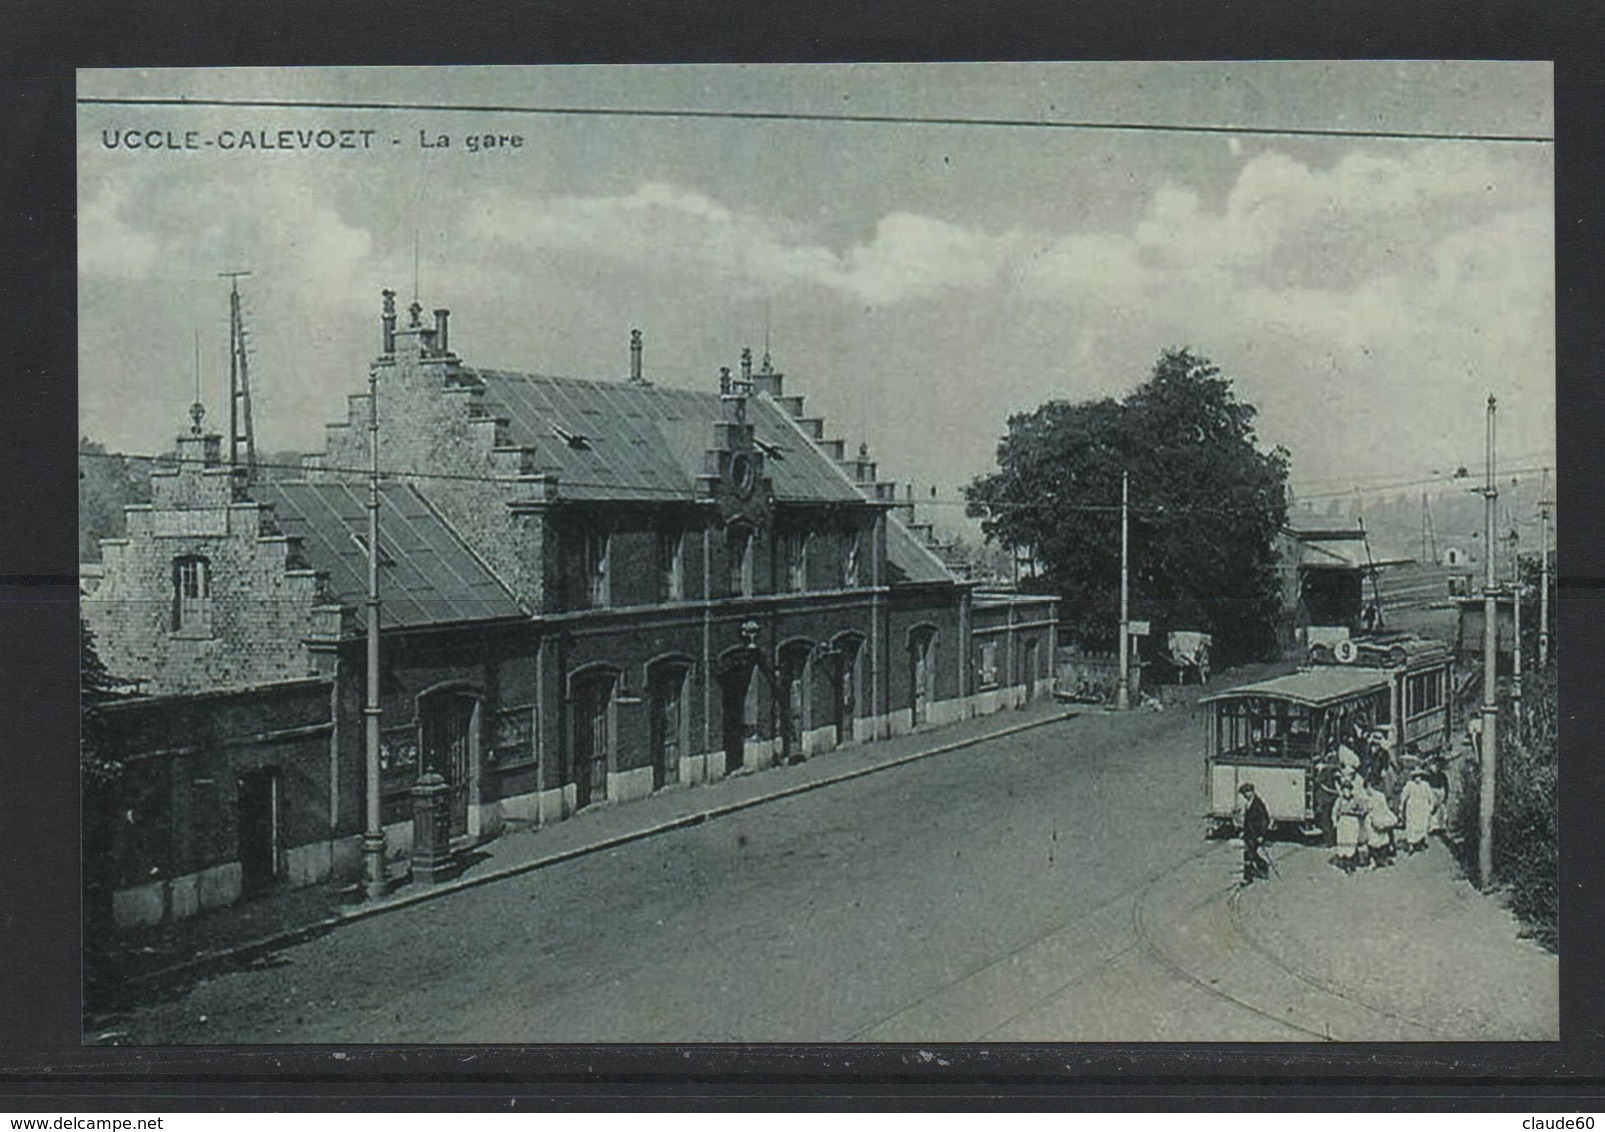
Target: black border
42	1066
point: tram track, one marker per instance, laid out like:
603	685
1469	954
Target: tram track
1154	950
1234	915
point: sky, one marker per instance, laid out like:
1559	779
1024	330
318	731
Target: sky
917	282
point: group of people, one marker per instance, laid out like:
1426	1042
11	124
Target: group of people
1369	828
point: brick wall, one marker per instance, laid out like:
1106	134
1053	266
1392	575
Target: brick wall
259	607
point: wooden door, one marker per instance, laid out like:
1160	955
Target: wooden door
593	738
668	713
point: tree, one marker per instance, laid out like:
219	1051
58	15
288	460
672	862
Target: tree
1207	506
107	482
100	770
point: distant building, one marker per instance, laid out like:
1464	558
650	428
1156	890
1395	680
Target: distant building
1328	589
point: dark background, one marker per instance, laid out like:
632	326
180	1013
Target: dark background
42	1066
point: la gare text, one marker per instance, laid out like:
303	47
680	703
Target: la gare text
300	140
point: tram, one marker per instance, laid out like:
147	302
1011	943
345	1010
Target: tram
1387	699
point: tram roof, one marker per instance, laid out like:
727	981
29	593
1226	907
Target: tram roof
1313	687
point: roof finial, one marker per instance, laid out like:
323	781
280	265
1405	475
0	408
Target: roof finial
197	410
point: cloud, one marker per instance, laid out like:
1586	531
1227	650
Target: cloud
107	245
906	257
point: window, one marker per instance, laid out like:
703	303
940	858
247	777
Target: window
850	561
192	596
1423	693
671	566
597	553
988	674
796	551
740	548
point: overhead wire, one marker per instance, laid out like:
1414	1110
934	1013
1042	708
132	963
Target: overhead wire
821	116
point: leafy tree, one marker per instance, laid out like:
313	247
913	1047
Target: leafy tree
1206	507
107	482
100	769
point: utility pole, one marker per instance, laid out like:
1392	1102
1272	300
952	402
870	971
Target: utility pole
1123	692
1490	666
241	434
1515	598
1543	573
373	838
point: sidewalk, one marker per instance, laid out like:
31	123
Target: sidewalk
249	929
1408	953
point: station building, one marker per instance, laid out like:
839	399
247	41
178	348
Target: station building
590	590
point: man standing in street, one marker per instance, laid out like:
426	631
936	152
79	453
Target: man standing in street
1256	828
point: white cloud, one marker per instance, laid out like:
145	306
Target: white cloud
906	257
107	245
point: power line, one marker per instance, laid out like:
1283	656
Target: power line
798	116
396	474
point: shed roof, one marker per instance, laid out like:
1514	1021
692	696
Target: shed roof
427	574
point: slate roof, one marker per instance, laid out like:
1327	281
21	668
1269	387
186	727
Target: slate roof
646	441
427	574
910	558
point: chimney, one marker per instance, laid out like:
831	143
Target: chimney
746	365
413	311
724	381
387	341
441	315
635	357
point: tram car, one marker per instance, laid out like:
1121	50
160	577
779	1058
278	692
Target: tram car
1386	698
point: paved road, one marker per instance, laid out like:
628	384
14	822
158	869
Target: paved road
811	919
1050	885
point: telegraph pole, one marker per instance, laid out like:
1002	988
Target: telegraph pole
242	437
1543	574
1490	666
1123	692
1515	599
373	839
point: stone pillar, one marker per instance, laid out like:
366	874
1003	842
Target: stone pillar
431	829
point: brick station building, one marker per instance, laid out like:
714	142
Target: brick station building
591	590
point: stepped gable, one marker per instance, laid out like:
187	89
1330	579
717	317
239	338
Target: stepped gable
427	574
910	557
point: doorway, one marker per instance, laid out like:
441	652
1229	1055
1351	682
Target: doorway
448	723
844	687
593	736
667	691
260	805
739	692
921	646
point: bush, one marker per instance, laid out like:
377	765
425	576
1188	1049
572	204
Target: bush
1526	854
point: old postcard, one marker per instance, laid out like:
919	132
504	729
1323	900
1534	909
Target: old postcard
846	553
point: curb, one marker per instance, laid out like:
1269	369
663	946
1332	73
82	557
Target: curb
293	936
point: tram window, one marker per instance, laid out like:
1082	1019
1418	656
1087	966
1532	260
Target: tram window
1423	693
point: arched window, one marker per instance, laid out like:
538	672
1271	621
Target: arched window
192	595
